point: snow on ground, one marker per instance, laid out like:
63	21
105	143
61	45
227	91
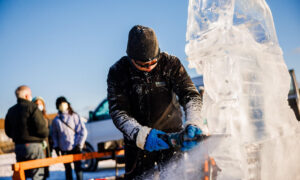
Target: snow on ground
105	169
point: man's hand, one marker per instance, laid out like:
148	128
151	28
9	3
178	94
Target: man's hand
154	143
192	131
44	144
189	133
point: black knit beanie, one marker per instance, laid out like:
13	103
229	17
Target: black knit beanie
142	44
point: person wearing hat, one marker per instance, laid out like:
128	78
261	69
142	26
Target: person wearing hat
68	135
142	92
40	102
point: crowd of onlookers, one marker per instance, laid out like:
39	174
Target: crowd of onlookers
29	127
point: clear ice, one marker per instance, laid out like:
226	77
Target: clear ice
233	43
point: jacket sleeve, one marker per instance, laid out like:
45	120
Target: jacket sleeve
187	93
119	107
41	129
54	133
8	125
81	132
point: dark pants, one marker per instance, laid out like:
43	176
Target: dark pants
68	168
30	151
141	164
47	152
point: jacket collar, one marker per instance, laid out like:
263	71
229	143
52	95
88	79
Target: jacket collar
21	100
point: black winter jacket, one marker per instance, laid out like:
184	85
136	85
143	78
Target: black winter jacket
24	123
138	98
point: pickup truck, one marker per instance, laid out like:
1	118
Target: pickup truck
102	135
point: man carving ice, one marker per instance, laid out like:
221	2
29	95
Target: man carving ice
145	91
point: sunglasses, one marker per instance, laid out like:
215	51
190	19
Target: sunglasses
145	64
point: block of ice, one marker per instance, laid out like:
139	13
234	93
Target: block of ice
233	43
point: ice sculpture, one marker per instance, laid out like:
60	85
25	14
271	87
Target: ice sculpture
233	43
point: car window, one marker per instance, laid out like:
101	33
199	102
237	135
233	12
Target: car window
102	112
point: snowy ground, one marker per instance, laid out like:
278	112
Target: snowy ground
105	169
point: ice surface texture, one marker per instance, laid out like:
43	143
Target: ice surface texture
233	43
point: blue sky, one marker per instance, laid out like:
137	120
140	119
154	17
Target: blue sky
66	47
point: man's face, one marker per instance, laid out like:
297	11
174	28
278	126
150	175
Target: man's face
145	66
63	107
28	95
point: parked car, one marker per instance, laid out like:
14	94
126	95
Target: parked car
102	135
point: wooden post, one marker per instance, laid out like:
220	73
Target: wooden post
19	174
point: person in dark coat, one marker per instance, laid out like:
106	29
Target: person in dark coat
145	91
24	123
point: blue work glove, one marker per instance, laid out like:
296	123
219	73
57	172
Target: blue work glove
154	143
190	132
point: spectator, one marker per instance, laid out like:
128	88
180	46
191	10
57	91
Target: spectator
24	123
39	101
68	134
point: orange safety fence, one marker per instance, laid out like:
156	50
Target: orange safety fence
20	167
